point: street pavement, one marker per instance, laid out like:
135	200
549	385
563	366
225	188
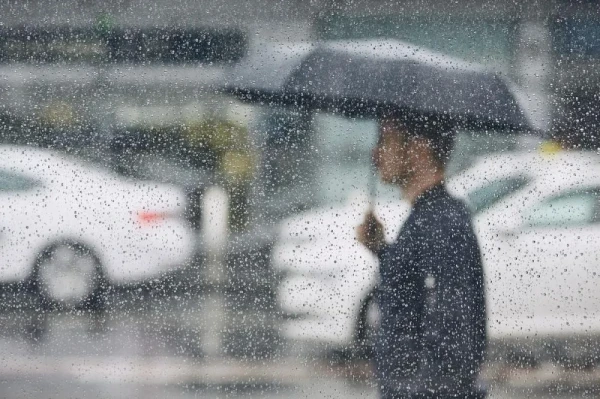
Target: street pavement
148	346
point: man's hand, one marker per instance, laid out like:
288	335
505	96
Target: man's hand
370	233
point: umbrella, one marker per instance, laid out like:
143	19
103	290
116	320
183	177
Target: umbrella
365	77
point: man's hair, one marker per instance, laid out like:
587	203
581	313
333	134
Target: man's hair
438	132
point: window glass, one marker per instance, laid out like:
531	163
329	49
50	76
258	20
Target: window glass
13	182
571	209
484	197
576	37
471	39
184	184
132	45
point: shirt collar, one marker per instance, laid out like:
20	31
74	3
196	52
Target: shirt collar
429	195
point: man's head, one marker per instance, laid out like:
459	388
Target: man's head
410	147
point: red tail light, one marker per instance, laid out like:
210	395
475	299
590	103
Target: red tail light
149	217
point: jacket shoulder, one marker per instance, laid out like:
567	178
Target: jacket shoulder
449	212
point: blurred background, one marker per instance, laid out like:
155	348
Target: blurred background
160	238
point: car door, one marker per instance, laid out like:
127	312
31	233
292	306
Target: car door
547	278
20	224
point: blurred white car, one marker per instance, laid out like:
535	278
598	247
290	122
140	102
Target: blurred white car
67	227
537	216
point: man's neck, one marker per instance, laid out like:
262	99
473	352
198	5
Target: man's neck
421	183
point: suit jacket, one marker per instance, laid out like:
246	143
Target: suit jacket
432	336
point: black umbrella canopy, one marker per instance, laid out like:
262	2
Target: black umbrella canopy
373	76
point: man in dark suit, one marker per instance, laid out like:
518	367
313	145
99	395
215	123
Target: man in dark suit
432	337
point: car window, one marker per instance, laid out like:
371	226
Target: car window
10	181
485	196
572	209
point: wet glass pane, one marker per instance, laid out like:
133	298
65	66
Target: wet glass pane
276	199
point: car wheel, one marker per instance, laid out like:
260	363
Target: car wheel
366	327
67	275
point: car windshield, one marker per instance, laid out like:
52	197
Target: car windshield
484	197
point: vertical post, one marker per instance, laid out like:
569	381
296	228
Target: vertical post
215	232
533	62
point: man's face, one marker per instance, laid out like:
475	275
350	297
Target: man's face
393	156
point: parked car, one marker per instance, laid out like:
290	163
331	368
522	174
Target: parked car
537	216
68	227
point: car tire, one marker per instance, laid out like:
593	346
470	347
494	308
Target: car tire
68	275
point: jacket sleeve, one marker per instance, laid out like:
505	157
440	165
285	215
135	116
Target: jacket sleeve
383	252
399	296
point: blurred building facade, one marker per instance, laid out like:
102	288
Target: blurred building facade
548	47
138	76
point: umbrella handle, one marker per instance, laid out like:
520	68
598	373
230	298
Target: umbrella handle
372	185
